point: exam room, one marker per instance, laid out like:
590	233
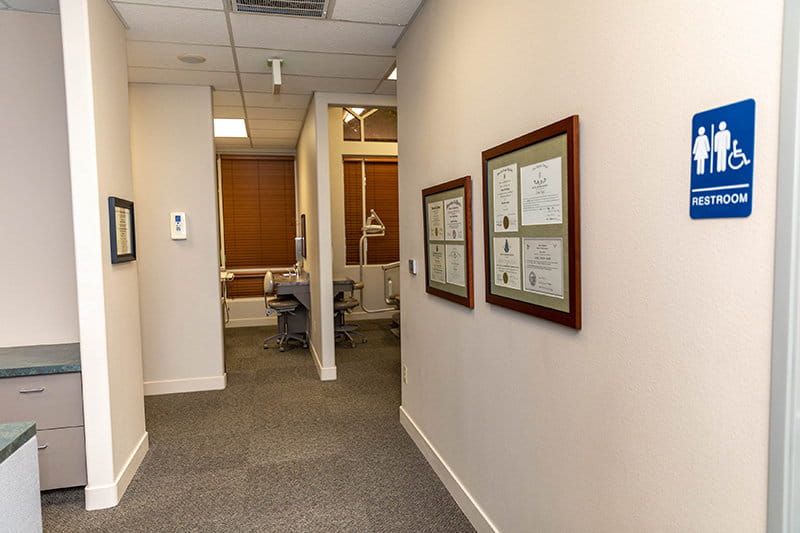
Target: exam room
269	229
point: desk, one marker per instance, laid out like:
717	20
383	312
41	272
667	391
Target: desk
299	287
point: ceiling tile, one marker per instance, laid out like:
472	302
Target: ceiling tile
276	113
218	80
224	111
154	23
315	64
165	55
262	99
281	125
387	87
285	33
307	84
383	11
34	6
273	135
199	4
227	98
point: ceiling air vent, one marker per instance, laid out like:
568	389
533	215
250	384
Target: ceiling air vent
296	8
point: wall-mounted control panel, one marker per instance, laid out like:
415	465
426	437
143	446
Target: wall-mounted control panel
412	266
177	225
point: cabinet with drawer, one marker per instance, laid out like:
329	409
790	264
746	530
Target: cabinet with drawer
54	402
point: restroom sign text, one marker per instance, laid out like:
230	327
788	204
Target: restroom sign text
722	156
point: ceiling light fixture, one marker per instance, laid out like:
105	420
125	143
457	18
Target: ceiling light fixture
229	127
276	74
357	110
393	75
192	59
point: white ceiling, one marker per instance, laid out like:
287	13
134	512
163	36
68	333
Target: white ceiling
351	50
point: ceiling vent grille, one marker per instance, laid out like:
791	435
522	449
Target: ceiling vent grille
295	8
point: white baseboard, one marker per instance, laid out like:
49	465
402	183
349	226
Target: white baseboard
250	322
457	490
106	496
173	386
326	373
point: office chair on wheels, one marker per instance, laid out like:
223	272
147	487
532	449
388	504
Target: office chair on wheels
284	308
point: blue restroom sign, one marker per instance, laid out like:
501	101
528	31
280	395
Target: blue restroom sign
723	141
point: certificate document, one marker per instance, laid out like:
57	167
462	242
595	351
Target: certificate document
541	193
437	263
454	218
455	264
122	216
436	221
507	262
544	266
505	198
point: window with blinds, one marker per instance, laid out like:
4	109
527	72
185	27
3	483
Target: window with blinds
381	195
258	213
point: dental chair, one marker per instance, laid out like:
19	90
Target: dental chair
283	307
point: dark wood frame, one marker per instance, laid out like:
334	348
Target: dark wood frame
303	233
113	202
568	126
466	184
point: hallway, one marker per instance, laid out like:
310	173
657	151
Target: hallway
278	450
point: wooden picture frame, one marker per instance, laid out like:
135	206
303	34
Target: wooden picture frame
122	230
531	215
448	241
303	234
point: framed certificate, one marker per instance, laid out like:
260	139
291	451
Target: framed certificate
121	230
531	204
447	209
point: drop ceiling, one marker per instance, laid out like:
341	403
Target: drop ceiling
350	50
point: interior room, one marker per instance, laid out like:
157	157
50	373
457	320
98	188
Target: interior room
399	265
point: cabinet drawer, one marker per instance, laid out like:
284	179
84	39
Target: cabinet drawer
62	458
51	400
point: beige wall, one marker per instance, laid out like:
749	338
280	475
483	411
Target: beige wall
96	82
174	170
38	266
654	416
373	275
317	262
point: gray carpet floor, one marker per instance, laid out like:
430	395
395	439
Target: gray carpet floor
279	450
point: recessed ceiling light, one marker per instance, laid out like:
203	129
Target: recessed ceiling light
229	127
393	75
192	58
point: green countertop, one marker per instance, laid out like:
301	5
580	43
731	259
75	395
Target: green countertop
37	360
14	435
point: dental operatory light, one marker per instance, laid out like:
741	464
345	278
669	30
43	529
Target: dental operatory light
229	127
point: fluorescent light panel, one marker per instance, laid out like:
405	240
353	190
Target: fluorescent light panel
229	127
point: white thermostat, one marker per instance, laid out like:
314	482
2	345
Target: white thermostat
177	225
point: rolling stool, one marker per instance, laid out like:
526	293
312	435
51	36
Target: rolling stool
341	306
284	307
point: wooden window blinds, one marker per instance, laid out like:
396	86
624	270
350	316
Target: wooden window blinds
258	206
381	195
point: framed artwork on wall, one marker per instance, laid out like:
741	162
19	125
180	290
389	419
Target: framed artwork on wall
531	216
447	211
121	230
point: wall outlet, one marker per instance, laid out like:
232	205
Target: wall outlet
405	374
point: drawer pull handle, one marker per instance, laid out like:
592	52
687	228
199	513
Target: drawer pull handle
26	391
42	447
